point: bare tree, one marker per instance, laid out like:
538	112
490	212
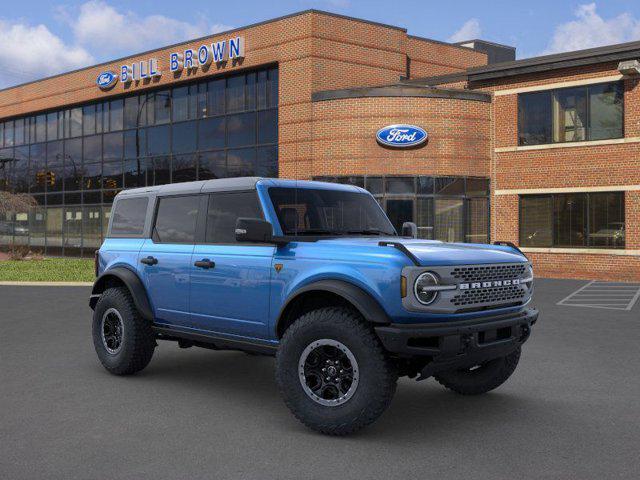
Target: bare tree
15	202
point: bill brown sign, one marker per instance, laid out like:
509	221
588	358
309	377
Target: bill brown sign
189	59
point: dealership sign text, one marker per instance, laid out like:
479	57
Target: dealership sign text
401	136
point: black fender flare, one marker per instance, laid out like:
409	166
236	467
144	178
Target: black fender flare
367	306
133	284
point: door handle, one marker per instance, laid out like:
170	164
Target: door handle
149	260
205	263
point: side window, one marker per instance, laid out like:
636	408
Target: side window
176	219
224	210
129	216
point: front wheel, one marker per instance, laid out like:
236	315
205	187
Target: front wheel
480	378
333	373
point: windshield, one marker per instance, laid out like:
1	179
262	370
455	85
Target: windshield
304	211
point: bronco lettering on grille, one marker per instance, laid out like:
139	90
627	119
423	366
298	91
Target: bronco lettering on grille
493	283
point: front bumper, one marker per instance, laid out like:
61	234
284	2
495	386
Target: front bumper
451	345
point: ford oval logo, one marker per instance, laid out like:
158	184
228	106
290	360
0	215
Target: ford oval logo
401	136
106	80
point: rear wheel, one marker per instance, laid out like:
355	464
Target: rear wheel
123	340
480	378
333	373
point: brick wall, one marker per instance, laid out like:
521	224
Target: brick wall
344	137
429	58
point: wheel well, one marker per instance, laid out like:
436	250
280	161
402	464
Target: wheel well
307	302
107	282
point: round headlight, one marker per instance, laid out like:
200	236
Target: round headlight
422	290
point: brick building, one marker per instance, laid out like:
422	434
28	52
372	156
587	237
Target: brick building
541	152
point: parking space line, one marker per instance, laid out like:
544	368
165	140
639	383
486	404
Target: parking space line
596	294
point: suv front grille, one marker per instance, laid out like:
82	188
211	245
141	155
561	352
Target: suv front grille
496	295
484	273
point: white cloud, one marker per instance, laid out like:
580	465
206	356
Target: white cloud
29	52
469	31
589	29
107	31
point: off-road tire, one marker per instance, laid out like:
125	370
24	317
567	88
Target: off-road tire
483	379
138	340
377	374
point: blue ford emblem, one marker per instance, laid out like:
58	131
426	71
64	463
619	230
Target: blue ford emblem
401	136
106	80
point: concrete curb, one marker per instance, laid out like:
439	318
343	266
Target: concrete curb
47	284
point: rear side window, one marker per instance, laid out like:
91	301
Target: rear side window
176	219
129	216
224	209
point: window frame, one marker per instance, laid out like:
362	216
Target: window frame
552	92
587	223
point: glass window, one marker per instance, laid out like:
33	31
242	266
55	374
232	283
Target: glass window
21	169
425	185
211	133
606	111
424	217
180	104
400	185
130	115
92	226
183	137
92	149
19	132
241	162
101	111
135	143
273	88
41	128
55	173
477	187
116	115
184	168
399	211
307	211
450	186
241	129
201	100
250	91
449	219
89	124
223	212
92	173
112	175
212	165
536	221
267	162
75	122
534	118
595	220
112	146
162	106
235	93
592	112
374	185
261	89
570	115
606	220
129	216
135	172
158	140
161	171
477	220
37	168
268	126
176	219
215	97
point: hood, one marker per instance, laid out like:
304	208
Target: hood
433	252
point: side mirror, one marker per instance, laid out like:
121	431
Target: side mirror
409	229
254	230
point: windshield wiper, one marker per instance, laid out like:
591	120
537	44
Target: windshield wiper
316	231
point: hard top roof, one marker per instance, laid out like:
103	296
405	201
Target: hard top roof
230	184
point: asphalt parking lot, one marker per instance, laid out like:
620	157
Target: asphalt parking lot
571	410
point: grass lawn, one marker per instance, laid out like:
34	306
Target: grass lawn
47	270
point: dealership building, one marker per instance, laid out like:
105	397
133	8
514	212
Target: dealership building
542	152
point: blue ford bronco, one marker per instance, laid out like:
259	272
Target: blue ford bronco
315	274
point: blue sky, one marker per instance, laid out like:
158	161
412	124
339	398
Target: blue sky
43	37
